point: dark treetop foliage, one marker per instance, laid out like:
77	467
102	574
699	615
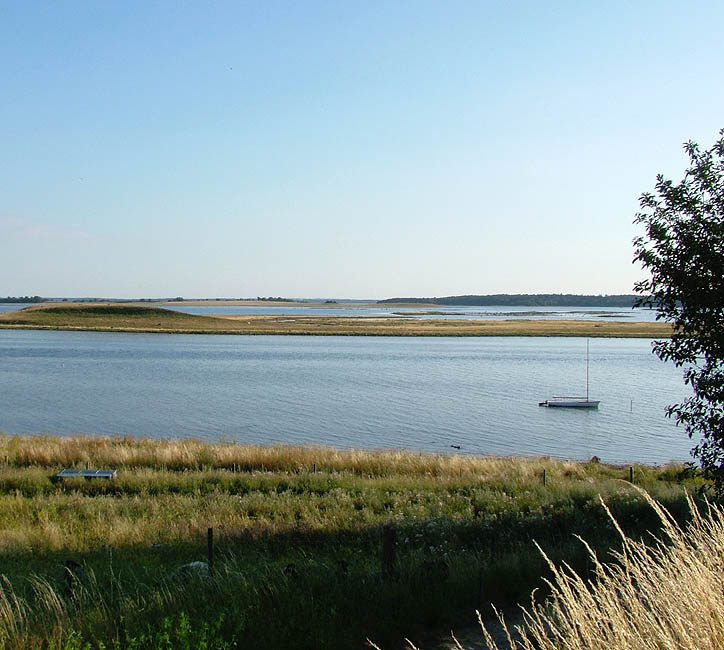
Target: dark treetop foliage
22	299
524	300
683	249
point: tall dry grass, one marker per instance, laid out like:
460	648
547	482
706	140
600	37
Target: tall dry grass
174	454
659	594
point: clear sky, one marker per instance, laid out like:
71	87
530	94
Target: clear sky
342	149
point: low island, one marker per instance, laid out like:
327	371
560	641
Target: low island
113	317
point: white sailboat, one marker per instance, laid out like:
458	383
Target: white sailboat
574	402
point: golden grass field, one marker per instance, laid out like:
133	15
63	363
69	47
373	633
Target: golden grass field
137	318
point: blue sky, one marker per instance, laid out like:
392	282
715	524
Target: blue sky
342	149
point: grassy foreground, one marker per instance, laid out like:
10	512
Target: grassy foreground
132	318
297	540
668	593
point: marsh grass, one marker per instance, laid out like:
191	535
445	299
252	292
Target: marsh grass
119	452
271	510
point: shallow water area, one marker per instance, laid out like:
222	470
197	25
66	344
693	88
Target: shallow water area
480	394
463	312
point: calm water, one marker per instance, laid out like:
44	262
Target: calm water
366	392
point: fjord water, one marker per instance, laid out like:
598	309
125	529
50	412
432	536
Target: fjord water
364	392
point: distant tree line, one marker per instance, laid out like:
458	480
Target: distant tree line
23	299
270	299
526	300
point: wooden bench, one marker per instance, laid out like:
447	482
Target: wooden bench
84	473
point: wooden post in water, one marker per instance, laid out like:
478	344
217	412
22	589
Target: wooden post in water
210	549
389	535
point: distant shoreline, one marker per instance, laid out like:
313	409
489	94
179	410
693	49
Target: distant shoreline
622	301
625	301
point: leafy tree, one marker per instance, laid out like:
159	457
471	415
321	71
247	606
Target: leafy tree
683	250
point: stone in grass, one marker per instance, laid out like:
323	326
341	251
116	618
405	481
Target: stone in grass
191	571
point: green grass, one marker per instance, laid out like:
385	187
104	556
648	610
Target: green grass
110	310
105	317
297	532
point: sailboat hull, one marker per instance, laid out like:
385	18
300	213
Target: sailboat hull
571	403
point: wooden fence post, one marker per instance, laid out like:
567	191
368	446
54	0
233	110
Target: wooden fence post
389	536
630	474
210	549
544	477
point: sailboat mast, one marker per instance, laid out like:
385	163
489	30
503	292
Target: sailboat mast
587	343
